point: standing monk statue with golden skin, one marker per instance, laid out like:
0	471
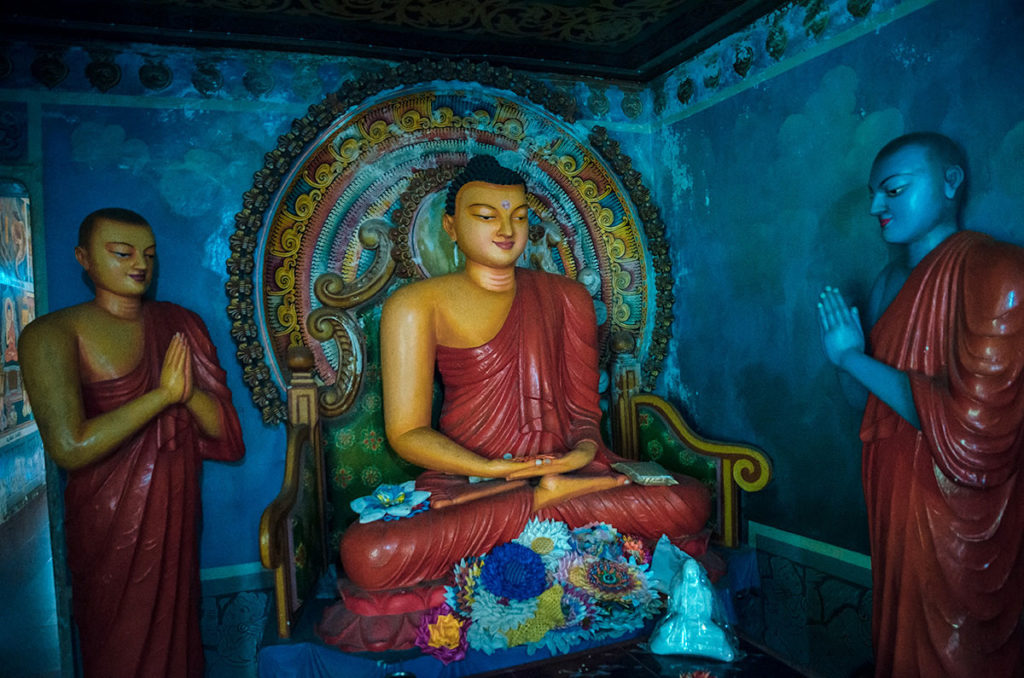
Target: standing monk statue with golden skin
517	352
129	399
943	430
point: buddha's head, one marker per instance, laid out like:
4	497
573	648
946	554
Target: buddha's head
917	186
117	249
486	214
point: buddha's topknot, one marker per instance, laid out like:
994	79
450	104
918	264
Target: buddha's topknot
483	168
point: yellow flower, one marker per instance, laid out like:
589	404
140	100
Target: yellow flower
549	616
542	545
445	632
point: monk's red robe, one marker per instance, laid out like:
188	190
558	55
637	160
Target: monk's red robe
946	503
132	518
531	390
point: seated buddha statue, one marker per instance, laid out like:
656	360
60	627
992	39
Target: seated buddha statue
518	435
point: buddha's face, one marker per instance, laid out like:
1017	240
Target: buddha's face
119	257
910	195
490	224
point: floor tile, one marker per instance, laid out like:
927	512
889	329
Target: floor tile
29	645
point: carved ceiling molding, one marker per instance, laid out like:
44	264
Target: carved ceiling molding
611	39
582	22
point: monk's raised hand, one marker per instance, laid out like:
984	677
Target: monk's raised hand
188	370
840	326
176	372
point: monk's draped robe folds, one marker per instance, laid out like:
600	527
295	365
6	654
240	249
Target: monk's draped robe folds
531	390
946	503
132	518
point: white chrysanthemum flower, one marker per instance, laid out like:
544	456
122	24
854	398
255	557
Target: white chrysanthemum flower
495	614
550	539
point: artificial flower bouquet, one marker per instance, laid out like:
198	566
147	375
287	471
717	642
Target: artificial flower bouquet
551	588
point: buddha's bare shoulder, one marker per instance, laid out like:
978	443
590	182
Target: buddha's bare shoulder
424	293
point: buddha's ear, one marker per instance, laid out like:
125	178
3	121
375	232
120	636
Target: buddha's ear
448	224
952	179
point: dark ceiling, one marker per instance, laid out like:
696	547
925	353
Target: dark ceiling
617	39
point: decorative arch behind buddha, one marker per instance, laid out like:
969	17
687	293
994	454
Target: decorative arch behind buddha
348	207
358	187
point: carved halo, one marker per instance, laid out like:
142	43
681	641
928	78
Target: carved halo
376	158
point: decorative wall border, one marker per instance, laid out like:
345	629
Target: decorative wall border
244	241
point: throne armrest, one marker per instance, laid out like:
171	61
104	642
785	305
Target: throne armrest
276	543
737	466
740	466
291	533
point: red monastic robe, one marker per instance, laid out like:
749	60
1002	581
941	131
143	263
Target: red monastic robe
132	518
946	503
532	389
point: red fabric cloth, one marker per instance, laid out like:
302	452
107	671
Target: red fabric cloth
946	504
132	518
531	390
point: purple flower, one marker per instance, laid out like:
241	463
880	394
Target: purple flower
442	634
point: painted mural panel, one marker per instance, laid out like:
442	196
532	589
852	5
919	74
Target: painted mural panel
21	456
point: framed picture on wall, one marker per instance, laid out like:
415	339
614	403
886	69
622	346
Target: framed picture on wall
21	453
17	307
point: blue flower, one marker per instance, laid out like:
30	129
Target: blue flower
513	571
495	614
390	502
547	538
598	539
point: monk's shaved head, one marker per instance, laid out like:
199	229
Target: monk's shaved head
118	214
941	150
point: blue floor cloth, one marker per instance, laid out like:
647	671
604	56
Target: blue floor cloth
312	660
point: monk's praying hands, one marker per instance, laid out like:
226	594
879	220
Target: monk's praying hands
176	374
840	326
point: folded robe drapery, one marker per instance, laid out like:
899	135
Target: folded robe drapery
132	517
531	390
946	503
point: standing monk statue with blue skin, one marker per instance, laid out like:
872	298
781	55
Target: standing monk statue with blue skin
943	430
130	399
517	352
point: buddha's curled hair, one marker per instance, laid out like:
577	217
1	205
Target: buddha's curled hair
484	168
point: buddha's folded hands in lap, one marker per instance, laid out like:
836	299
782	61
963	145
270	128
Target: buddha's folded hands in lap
517	352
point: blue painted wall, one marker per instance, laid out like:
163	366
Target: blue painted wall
185	170
766	191
762	186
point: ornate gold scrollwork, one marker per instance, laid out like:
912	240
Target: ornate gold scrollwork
333	291
327	323
334	321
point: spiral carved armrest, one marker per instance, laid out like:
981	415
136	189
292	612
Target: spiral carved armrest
742	467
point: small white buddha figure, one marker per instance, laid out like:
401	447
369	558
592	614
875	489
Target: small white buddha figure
689	627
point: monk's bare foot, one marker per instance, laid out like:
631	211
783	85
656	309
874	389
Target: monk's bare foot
556	488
